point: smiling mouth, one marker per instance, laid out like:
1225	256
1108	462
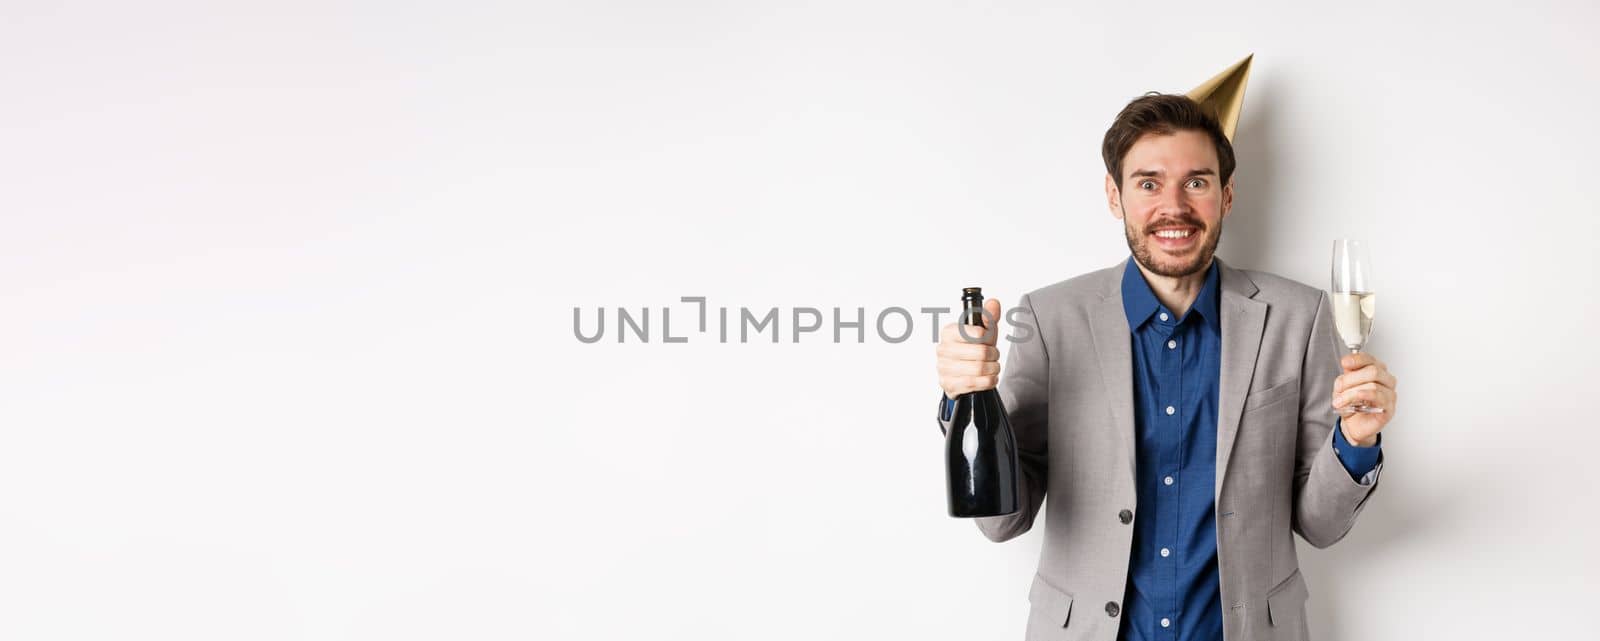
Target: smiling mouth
1175	237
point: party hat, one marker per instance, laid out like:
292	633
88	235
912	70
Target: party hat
1223	95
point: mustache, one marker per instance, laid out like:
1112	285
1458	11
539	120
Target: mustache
1181	221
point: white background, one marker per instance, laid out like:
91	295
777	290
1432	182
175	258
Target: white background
286	349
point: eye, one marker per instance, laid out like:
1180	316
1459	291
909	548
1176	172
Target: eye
1147	185
1197	183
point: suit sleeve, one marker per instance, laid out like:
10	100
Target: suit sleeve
1327	499
1024	388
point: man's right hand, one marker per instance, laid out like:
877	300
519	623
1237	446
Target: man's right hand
970	366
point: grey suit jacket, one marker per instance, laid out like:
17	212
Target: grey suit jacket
1069	396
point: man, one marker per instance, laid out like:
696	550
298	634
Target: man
1179	418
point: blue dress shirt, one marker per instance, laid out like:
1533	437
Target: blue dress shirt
1173	591
1173	587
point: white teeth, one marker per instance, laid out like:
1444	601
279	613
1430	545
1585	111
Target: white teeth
1174	233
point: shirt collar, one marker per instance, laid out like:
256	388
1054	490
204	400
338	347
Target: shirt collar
1139	303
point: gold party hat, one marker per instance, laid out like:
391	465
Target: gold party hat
1223	95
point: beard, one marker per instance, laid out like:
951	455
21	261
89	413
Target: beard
1139	244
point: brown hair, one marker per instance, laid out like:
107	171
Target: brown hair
1163	114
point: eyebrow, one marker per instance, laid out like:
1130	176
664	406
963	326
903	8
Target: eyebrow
1143	173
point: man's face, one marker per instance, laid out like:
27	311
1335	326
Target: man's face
1170	202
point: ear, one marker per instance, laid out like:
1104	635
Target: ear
1113	198
1227	197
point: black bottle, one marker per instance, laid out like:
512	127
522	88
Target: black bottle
980	450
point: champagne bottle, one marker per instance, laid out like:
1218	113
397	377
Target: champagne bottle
980	450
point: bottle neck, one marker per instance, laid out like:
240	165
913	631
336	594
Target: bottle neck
972	314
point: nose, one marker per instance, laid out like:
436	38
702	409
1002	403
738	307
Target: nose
1174	202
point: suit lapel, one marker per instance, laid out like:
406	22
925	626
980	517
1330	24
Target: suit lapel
1113	348
1243	319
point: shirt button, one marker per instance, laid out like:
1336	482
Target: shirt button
1126	516
1163	316
1166	552
1170	410
1165	622
1172	344
1112	609
1167	480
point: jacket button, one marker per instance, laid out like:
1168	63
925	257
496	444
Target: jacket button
1127	517
1112	609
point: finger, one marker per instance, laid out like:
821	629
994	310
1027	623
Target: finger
958	333
964	384
1385	409
1345	397
986	381
968	368
1369	394
975	334
991	319
968	352
1358	360
1368	374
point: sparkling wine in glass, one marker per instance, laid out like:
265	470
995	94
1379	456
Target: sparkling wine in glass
1354	299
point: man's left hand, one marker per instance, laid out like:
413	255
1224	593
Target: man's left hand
1366	381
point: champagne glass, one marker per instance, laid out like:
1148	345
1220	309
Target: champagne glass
1354	299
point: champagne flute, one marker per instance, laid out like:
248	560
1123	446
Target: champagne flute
1354	299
